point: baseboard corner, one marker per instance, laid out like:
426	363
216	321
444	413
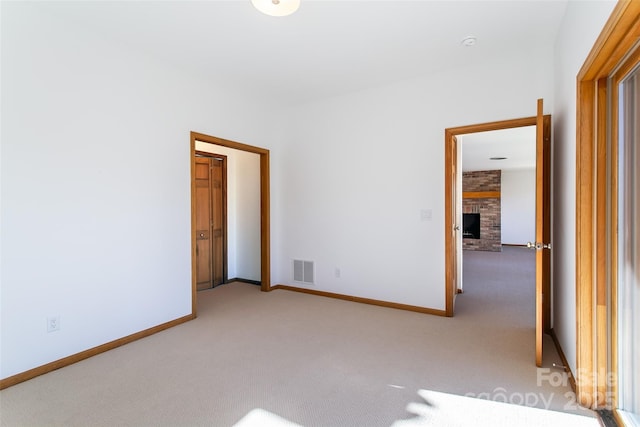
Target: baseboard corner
563	358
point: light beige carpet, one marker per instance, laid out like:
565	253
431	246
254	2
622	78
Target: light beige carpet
308	360
448	410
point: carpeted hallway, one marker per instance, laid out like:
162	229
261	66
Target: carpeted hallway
311	360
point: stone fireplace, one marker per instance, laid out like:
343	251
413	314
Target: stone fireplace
481	199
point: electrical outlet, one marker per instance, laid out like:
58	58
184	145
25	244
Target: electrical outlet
53	323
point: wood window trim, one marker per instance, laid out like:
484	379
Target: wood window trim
265	245
596	177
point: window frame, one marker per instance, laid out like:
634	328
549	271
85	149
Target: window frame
596	206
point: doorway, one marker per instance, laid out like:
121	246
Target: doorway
498	191
453	196
264	207
542	235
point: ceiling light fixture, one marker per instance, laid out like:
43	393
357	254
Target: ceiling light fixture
497	158
469	41
276	7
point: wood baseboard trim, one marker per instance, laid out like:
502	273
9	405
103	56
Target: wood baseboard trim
74	358
249	281
380	303
563	358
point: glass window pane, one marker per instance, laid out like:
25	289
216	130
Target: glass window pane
629	250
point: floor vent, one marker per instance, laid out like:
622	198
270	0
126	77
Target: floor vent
303	271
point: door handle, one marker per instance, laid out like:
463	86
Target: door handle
538	246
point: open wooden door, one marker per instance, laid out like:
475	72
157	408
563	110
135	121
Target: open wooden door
456	220
218	232
542	244
451	221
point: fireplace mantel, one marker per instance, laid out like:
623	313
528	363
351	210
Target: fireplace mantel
481	195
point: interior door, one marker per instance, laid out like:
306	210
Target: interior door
204	265
210	204
542	244
217	222
456	220
451	247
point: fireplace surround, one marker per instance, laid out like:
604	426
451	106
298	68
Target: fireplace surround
481	199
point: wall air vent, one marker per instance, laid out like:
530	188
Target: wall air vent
303	271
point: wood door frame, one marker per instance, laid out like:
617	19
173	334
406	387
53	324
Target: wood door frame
265	219
225	276
449	182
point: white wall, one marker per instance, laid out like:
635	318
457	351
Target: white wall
243	211
95	215
581	26
248	213
358	169
95	219
518	206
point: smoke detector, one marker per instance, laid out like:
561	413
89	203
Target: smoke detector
469	41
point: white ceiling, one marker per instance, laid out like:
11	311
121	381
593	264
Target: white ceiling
327	47
518	145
